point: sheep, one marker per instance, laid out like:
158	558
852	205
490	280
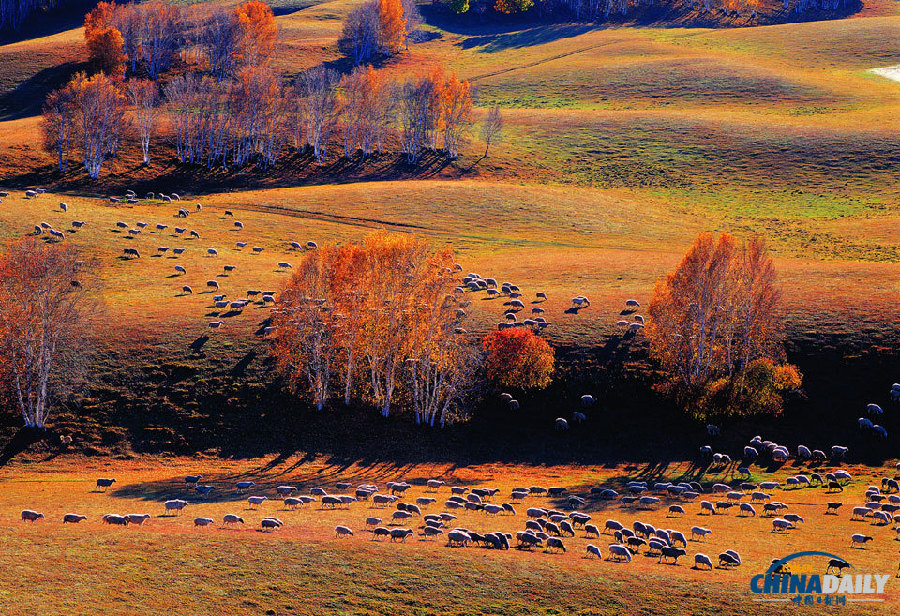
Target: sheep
839	452
707	506
178	251
677	537
612	525
132	252
311	245
793	518
555	542
194	234
832	508
746	508
702	559
457	538
675	510
256	501
561	424
837	563
212	252
580	302
857	539
780	525
803	452
243	486
880	431
400	534
257	249
216	324
212	284
180	229
593	550
229	268
203	522
204	490
238	225
73	518
241	244
864	423
619	553
861	513
112	518
728	559
102	484
174	505
30	516
874	409
341	532
632	303
699	531
231	519
284	265
268	524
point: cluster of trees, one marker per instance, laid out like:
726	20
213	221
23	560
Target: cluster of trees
378	28
229	108
88	114
146	38
256	116
591	10
715	326
377	322
42	326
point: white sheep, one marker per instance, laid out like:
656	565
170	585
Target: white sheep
702	559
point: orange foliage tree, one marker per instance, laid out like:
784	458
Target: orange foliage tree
258	32
716	314
393	25
42	325
382	317
518	359
105	45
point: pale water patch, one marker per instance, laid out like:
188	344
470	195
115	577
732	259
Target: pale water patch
891	72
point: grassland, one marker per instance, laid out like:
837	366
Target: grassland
303	569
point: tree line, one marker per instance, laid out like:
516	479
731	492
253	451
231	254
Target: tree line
257	116
602	10
231	109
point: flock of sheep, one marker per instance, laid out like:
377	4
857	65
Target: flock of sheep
474	283
551	517
139	228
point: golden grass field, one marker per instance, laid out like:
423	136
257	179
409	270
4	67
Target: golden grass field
621	143
170	566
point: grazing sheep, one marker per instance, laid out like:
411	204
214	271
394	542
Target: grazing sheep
238	224
861	513
102	484
243	486
780	524
311	245
675	510
729	559
204	491
619	553
30	516
230	519
175	505
73	518
257	249
748	509
702	559
837	563
268	524
342	531
241	244
194	234
284	265
699	531
187	289
555	542
216	324
132	252
860	540
203	522
178	251
561	424
400	534
212	284
112	518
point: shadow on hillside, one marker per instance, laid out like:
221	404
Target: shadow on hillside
28	97
48	23
293	169
537	35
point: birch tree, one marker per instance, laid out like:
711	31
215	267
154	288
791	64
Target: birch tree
42	326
